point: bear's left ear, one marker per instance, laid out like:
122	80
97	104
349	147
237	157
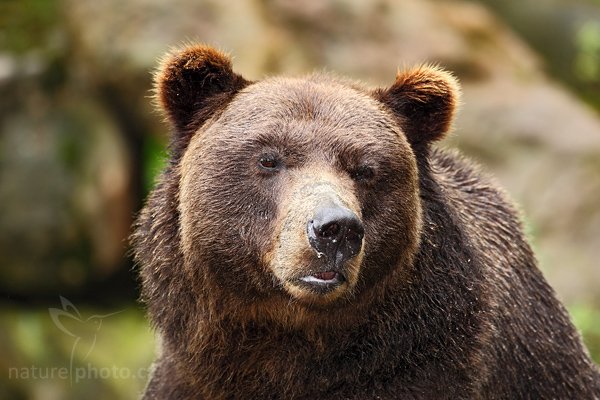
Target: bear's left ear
192	83
424	100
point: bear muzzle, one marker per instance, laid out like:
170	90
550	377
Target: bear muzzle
336	235
319	247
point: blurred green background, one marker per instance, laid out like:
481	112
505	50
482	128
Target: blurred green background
80	146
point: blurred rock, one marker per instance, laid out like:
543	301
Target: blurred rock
538	139
65	192
565	32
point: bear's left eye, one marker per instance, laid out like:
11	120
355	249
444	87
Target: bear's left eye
268	162
363	173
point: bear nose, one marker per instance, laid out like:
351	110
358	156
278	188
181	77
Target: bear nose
336	233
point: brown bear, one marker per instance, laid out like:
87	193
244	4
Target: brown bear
307	241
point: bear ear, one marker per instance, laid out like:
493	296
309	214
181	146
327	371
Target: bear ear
192	83
424	99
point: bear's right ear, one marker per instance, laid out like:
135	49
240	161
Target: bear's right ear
192	83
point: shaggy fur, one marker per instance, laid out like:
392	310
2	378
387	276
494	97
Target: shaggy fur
444	301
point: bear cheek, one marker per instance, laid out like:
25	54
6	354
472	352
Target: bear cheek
210	225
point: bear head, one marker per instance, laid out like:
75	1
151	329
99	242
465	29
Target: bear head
296	195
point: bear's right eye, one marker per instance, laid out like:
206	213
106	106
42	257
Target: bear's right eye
363	173
269	163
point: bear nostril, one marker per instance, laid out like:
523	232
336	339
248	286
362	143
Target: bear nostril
329	230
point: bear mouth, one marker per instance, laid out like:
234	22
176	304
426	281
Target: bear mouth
322	282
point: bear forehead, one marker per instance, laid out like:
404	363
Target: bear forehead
318	98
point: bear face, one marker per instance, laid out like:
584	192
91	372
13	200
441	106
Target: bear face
306	188
263	171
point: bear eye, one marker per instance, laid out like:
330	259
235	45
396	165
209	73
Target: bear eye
363	173
268	162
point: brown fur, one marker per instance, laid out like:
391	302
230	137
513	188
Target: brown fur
443	301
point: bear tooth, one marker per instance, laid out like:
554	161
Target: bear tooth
311	278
